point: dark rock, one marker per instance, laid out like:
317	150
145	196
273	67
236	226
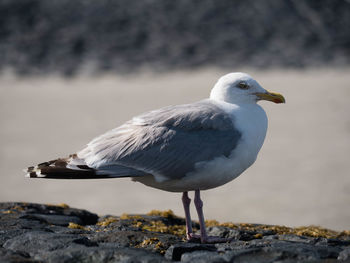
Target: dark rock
260	255
85	217
37	242
67	230
8	234
203	256
175	252
59	220
223	232
48	233
126	238
338	242
344	255
97	254
291	238
293	249
11	256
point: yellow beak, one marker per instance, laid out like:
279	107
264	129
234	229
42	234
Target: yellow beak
271	96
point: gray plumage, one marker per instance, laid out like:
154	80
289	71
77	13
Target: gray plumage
182	148
167	142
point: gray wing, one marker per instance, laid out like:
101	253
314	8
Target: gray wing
167	142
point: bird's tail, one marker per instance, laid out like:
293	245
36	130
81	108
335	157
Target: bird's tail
75	168
61	169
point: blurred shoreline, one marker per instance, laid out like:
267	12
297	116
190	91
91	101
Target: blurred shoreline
39	36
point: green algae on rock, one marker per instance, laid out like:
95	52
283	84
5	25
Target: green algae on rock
45	233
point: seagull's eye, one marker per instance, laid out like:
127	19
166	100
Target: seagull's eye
243	85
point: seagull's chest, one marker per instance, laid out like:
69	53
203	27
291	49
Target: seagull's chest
251	121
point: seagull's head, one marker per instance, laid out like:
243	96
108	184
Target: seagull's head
237	88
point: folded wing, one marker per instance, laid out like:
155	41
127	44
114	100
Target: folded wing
167	142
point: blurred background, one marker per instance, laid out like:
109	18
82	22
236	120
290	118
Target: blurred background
71	70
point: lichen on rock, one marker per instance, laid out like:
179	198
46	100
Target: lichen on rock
58	233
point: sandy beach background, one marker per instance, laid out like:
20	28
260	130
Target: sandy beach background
301	176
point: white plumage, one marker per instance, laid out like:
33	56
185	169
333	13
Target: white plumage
179	148
251	121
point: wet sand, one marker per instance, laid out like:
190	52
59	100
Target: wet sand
301	176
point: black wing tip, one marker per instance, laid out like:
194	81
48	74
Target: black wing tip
34	174
59	169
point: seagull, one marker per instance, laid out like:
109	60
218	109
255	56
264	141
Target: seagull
182	148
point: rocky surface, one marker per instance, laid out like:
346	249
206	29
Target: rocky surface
58	233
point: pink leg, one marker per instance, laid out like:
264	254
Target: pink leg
204	237
186	203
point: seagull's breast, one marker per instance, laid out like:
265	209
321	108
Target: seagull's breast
251	121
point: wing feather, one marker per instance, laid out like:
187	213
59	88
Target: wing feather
167	142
